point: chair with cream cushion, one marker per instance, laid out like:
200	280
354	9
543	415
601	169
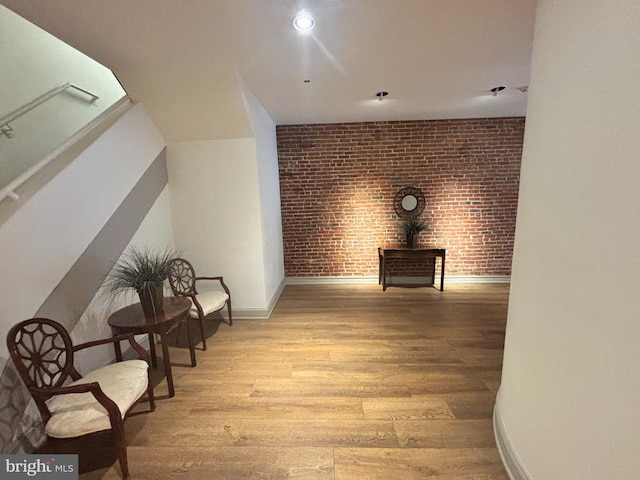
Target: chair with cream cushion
72	405
182	278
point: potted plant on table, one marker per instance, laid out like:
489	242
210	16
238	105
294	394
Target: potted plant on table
143	270
411	227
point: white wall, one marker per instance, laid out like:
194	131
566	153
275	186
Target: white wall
568	406
215	202
264	130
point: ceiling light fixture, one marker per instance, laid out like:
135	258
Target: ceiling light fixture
495	90
381	95
303	22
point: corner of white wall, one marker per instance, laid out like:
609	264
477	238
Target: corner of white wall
264	130
225	200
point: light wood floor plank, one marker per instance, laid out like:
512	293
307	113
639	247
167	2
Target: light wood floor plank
444	433
418	464
410	408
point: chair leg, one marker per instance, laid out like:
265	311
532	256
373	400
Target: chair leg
229	311
121	448
204	340
150	395
192	350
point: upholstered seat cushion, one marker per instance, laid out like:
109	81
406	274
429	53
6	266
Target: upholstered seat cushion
210	302
77	414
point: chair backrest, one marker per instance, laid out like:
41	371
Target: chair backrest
182	277
42	351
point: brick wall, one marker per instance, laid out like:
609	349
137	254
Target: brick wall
338	182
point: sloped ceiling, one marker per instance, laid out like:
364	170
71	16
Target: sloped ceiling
181	58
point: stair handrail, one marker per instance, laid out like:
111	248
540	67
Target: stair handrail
9	190
6	129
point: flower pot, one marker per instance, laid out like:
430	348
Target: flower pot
412	240
152	301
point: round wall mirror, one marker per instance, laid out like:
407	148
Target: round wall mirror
409	202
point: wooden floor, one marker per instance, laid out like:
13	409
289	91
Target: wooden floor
341	383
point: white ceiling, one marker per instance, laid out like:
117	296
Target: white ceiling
180	58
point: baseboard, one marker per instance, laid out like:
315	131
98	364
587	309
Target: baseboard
460	279
265	313
369	280
261	313
510	459
331	280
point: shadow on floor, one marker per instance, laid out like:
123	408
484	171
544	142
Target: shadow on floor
177	338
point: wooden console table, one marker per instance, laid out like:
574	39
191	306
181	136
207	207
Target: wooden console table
385	254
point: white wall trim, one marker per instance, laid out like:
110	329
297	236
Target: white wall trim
330	280
476	279
276	296
510	459
448	280
265	313
250	313
258	313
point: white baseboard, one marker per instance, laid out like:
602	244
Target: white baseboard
260	313
265	313
369	280
453	279
331	280
510	459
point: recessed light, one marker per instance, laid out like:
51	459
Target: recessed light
303	22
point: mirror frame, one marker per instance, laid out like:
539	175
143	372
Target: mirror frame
400	196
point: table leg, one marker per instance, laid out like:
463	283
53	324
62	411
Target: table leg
167	364
442	273
152	348
432	272
384	274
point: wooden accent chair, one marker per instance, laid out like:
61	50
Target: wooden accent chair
72	405
182	278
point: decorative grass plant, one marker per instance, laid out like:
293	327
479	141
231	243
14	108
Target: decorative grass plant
411	227
144	270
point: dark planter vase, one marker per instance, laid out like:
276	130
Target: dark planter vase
152	301
412	240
